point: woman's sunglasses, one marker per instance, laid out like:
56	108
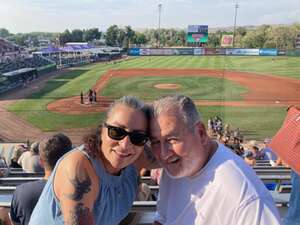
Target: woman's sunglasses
117	133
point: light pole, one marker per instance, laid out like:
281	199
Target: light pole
159	17
236	6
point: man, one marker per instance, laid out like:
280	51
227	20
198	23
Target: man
30	160
267	152
26	195
203	182
286	144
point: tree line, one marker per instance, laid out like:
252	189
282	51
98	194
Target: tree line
264	36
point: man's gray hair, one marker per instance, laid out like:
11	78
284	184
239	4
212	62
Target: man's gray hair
132	102
177	104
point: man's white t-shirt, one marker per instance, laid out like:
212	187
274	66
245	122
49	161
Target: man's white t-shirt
225	192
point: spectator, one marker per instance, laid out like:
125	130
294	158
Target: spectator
97	182
227	132
203	182
286	144
19	150
236	133
4	170
26	195
210	126
30	160
156	175
237	147
249	158
254	148
267	152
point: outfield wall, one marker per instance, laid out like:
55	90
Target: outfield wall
211	51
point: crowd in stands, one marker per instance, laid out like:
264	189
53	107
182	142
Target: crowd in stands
8	50
23	62
251	150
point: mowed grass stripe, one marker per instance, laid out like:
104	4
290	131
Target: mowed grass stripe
165	63
135	63
281	66
178	62
206	88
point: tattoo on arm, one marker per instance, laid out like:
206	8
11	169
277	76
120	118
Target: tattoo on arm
80	215
82	184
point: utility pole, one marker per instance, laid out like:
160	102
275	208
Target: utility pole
159	17
236	6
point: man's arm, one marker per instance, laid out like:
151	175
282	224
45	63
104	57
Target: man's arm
76	186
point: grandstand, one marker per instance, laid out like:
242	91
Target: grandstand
78	53
6	46
21	70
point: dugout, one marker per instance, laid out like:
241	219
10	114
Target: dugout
17	78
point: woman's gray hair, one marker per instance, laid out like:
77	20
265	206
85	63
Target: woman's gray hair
132	102
177	104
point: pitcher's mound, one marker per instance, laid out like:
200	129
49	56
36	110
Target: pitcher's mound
167	86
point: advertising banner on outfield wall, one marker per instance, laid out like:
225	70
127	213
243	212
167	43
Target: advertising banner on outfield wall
281	52
242	51
134	51
268	51
185	51
214	51
166	51
293	52
198	51
156	51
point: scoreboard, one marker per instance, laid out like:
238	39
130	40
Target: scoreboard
197	34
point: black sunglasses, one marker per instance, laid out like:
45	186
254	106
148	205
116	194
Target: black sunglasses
117	133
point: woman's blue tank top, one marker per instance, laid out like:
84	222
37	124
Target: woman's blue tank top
116	195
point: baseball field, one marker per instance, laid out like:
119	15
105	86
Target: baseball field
251	93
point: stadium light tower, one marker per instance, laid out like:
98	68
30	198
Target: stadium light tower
236	6
159	18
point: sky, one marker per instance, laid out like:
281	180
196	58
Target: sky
58	15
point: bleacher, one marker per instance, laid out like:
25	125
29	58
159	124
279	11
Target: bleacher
31	62
142	212
6	46
73	54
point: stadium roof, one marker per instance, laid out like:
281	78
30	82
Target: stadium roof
17	72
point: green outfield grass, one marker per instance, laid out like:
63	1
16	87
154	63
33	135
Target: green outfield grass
257	122
205	88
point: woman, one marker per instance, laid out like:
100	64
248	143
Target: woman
97	182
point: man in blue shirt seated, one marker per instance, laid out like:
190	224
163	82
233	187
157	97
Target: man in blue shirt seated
26	195
267	152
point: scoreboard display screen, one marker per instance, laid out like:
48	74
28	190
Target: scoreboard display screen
197	34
